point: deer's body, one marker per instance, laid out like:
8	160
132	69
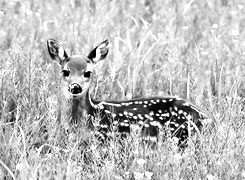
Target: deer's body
150	114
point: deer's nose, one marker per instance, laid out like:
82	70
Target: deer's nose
75	88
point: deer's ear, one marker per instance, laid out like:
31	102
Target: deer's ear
56	51
99	52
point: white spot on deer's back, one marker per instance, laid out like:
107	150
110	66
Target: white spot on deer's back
174	113
140	116
165	114
120	114
151	113
153	102
147	116
176	125
182	126
155	123
122	124
126	125
180	112
125	113
141	122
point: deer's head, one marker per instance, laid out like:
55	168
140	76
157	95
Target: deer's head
77	70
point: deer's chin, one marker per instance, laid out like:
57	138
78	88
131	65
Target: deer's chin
69	95
77	95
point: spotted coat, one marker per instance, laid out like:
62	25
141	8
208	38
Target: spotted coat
151	115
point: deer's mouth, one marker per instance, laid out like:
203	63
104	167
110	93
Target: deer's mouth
75	89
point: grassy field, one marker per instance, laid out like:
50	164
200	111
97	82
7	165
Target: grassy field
192	49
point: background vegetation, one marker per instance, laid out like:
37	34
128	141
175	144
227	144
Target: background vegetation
193	49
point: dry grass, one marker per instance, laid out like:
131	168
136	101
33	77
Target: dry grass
193	49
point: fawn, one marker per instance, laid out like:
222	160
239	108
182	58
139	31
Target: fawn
152	115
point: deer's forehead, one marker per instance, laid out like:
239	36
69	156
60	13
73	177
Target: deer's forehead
77	62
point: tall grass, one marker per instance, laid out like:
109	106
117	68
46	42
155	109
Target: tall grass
193	49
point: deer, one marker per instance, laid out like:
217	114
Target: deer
151	114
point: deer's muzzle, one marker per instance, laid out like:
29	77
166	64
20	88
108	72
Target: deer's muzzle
75	89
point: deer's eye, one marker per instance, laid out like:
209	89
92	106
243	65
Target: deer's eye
87	74
66	73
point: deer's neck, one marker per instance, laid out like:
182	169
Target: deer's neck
81	108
